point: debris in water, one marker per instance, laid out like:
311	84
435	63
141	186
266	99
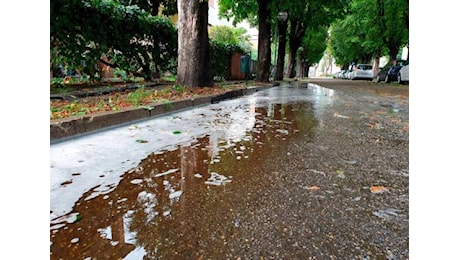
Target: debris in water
66	182
197	175
282	131
176	132
74	240
166	172
142	141
136	181
217	179
175	194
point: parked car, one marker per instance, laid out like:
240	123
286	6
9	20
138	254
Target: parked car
362	71
390	71
340	74
403	75
346	74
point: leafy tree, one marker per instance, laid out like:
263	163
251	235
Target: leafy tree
313	45
242	9
193	68
230	36
306	15
83	31
153	6
226	40
372	29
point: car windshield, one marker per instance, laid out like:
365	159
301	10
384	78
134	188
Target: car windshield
399	63
364	67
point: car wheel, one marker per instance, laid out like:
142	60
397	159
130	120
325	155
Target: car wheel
378	78
387	79
399	79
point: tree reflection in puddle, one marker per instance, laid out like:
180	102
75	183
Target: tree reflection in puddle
186	202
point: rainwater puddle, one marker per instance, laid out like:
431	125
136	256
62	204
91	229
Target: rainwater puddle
183	191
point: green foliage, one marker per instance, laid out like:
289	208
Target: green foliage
224	41
230	36
371	28
136	97
314	44
82	31
239	10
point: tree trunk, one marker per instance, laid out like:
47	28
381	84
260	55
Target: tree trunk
375	68
393	52
292	63
193	65
264	50
296	33
299	67
282	28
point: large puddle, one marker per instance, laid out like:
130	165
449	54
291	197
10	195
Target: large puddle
174	187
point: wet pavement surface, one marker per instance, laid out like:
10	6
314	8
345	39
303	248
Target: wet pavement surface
293	172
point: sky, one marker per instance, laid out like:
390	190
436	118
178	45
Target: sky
433	121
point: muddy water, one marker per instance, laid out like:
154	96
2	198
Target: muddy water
187	202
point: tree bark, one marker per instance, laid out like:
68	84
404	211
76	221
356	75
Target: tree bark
264	51
296	33
375	68
193	66
282	29
393	50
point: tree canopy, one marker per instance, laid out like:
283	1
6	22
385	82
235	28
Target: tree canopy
371	29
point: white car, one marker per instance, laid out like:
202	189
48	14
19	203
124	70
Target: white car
403	75
362	71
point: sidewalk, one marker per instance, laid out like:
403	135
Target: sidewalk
64	129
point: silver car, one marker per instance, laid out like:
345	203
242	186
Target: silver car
403	75
362	71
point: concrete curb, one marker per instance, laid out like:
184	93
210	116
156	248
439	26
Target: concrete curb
61	130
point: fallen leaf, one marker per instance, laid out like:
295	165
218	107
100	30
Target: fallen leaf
378	189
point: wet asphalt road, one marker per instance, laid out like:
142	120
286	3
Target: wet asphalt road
320	177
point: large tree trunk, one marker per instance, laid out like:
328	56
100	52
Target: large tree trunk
282	28
264	51
296	33
307	71
393	51
193	66
375	67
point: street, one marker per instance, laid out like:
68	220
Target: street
297	171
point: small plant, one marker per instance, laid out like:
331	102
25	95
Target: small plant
171	78
137	96
179	88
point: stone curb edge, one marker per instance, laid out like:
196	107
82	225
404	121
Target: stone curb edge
69	128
